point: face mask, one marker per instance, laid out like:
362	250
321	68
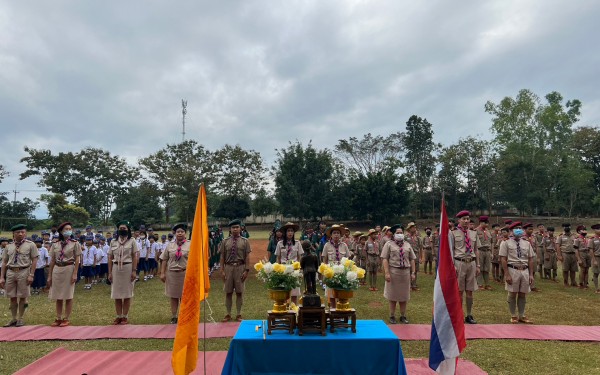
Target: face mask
583	234
519	232
428	233
567	230
67	233
399	237
143	237
123	232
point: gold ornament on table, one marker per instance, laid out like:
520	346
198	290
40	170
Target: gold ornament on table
343	278
280	280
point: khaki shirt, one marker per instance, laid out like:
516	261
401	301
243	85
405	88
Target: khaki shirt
415	242
459	245
508	249
383	241
27	253
581	243
293	255
533	241
359	250
428	243
494	242
391	252
124	252
330	254
595	245
71	250
539	239
169	255
239	254
372	248
549	244
485	238
565	243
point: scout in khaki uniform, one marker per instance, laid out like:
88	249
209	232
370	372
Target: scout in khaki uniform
372	249
436	246
235	266
172	271
595	248
465	246
584	259
290	250
539	241
416	243
566	255
428	244
495	252
65	257
398	260
516	255
485	253
550	263
18	267
529	236
123	257
333	252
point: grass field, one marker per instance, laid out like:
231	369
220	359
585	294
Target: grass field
554	305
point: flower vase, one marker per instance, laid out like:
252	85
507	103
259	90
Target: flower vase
279	298
343	299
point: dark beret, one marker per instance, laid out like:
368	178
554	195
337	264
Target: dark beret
18	227
234	222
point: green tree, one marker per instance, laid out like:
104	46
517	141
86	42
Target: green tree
60	210
586	145
371	154
303	180
140	205
233	207
3	173
16	212
263	204
238	172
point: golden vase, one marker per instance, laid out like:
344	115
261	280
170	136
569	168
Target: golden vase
279	298
343	299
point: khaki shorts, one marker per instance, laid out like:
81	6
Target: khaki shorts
520	281
233	279
596	268
569	263
465	272
16	283
428	256
586	259
485	260
550	262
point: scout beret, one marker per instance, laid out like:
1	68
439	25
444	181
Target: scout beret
580	228
550	229
495	225
124	222
527	225
565	225
396	226
463	213
18	227
514	225
180	226
408	226
234	222
484	219
508	221
595	226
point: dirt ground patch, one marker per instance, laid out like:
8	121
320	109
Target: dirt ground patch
259	250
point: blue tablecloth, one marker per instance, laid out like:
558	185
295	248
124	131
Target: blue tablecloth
373	350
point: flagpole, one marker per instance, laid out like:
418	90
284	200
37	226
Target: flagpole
204	335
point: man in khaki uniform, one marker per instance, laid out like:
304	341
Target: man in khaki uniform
436	246
529	236
595	248
372	250
539	239
464	245
495	234
566	255
412	237
550	264
516	255
485	253
18	267
428	244
235	266
584	259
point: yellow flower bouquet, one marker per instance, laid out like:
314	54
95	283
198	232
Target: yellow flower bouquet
279	276
345	275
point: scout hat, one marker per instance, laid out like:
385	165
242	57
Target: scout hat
362	236
332	228
385	229
180	226
357	234
18	227
371	231
287	225
408	226
463	213
234	222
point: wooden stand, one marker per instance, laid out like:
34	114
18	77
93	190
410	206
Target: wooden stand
312	319
281	321
342	319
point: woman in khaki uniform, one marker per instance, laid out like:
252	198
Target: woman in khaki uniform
172	271
289	250
122	263
333	252
399	266
64	264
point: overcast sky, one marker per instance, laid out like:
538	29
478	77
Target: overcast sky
112	74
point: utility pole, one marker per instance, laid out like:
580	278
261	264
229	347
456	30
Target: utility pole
15	192
183	113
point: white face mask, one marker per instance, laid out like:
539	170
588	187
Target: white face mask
399	237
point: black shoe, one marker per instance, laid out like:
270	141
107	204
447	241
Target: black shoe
403	320
470	320
393	320
173	320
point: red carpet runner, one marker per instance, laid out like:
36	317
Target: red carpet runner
120	362
214	330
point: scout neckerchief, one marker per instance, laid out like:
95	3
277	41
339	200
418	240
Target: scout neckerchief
122	249
518	240
469	250
401	246
289	250
63	244
337	249
484	231
17	246
584	240
232	253
178	253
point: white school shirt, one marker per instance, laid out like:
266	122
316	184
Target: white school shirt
143	245
43	259
89	255
104	259
152	250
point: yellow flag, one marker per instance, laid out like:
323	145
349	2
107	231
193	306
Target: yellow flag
195	289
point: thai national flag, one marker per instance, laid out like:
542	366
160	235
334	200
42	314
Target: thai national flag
447	327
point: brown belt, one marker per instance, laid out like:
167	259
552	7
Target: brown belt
16	269
466	260
177	270
235	263
520	268
122	263
64	264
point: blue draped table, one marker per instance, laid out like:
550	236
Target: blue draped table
373	349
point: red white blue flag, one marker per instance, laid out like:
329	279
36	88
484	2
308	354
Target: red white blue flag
447	327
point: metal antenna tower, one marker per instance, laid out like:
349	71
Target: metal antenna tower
183	113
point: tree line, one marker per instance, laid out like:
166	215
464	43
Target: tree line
534	161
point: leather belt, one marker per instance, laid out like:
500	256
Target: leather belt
177	270
239	263
520	268
63	264
16	269
484	249
122	263
466	260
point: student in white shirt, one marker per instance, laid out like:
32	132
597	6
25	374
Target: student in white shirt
39	278
89	255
